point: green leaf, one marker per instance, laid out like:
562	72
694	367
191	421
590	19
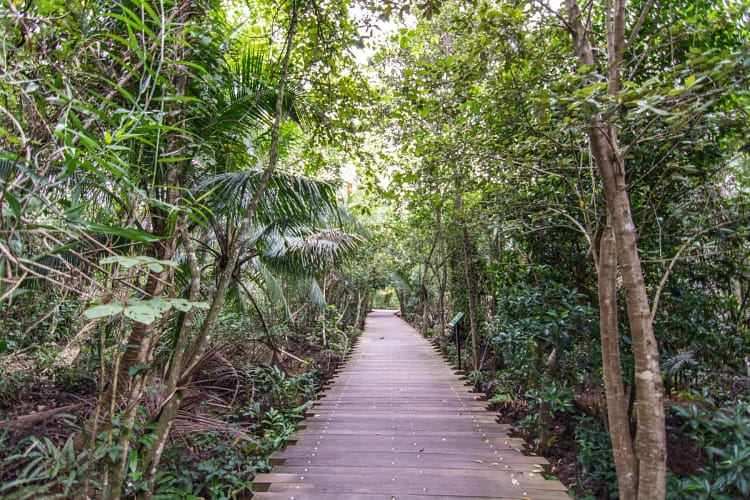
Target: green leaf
126	262
130	234
153	264
146	311
103	310
141	314
155	267
183	305
135	369
14	204
133	462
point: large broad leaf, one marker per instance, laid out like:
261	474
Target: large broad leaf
103	310
146	311
142	311
185	305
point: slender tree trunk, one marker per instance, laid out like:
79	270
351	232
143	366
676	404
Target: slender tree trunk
651	443
424	298
441	275
227	276
617	402
651	432
141	344
424	293
470	283
173	396
360	305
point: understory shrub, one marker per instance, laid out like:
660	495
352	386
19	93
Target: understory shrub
596	475
723	434
207	465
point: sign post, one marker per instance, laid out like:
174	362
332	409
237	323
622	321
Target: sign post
454	323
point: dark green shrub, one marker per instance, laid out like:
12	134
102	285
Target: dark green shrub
723	433
594	454
207	465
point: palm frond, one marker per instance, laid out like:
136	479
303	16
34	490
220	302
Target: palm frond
186	423
680	361
286	196
313	252
244	103
8	167
315	293
265	280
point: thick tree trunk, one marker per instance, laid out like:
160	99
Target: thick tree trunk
617	402
402	298
651	433
544	429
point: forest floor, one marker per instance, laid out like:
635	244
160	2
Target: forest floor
38	399
683	458
28	390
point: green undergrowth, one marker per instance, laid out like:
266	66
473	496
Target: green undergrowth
541	370
222	438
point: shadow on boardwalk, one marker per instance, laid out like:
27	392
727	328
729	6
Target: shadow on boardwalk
398	423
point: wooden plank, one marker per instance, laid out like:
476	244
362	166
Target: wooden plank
309	495
508	485
451	459
397	422
387	459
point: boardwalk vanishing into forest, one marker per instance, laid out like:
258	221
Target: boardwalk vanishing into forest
397	422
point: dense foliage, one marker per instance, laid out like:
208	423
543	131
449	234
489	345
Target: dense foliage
202	199
505	212
173	254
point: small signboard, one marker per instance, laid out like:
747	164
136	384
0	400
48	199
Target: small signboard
455	320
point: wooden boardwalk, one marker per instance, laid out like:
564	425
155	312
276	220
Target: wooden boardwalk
397	423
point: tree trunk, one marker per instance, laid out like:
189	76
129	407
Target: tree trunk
651	443
402	298
142	342
470	283
617	402
361	305
441	275
425	300
650	433
173	396
544	429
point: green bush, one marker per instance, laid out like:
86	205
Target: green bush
723	433
43	468
206	465
594	454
